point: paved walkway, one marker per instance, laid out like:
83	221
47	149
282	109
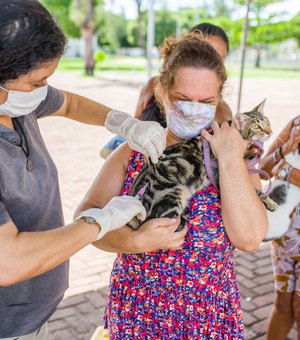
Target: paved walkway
75	149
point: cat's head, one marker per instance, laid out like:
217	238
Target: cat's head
253	125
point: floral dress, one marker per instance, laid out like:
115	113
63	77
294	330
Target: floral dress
189	293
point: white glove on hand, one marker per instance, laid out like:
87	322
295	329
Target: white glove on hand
148	138
117	212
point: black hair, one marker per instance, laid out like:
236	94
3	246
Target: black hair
210	29
29	37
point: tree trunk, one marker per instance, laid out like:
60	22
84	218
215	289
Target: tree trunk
258	57
87	30
140	38
89	61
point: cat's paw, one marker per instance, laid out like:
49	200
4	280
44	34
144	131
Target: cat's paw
268	202
134	223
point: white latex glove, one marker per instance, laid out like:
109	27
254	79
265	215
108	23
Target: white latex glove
148	138
117	212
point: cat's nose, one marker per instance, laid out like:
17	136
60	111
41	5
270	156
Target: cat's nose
268	131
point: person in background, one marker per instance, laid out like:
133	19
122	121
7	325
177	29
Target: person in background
148	110
286	249
35	245
189	291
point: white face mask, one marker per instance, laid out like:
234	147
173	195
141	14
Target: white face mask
22	103
189	118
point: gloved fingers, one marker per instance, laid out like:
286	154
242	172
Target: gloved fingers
142	214
137	205
115	119
128	206
150	150
159	142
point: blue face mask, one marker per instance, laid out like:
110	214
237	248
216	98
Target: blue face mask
187	119
21	103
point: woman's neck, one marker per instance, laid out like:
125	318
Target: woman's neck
172	139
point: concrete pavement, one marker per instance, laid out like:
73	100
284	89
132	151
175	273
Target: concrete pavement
75	149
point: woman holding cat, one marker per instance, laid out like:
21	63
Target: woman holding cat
285	250
190	292
149	110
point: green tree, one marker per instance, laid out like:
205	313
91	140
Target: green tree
222	9
189	17
113	32
60	10
258	18
165	25
140	35
87	14
295	27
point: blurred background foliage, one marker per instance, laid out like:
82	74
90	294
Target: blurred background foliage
114	33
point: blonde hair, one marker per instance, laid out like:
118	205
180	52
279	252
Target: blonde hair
193	50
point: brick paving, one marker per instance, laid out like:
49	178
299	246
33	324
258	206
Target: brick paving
75	149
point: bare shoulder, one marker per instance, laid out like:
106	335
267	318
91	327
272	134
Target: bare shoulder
120	156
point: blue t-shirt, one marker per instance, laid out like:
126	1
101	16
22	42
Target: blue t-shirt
31	199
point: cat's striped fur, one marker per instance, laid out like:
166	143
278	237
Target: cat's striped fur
180	172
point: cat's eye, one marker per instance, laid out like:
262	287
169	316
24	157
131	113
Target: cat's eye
255	126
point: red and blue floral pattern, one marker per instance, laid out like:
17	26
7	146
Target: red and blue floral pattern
189	293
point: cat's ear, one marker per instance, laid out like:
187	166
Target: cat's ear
260	107
240	119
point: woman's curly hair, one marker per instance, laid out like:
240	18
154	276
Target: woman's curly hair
193	50
29	37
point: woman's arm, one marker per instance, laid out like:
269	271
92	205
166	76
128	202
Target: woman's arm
146	93
153	235
82	109
278	149
28	254
146	137
243	213
294	176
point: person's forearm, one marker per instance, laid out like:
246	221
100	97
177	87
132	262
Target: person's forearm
295	177
85	110
29	254
267	163
243	213
118	241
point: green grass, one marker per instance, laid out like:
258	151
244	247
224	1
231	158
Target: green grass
265	71
127	64
111	63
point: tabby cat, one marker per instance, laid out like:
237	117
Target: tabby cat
180	172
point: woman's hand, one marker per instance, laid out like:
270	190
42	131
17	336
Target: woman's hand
226	141
293	141
277	167
159	233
